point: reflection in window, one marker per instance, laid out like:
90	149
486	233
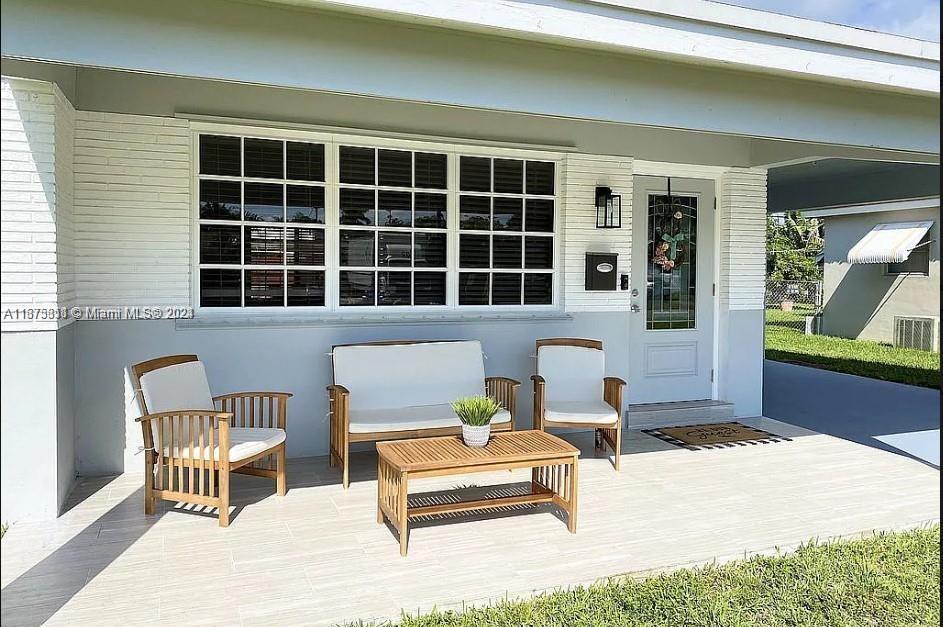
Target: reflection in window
672	262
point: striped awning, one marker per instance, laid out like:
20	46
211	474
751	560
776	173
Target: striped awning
889	243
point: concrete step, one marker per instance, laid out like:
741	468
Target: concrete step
654	415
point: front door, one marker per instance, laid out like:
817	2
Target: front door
672	320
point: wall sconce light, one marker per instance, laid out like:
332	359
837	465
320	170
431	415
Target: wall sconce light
608	209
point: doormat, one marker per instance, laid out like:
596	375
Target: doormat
718	435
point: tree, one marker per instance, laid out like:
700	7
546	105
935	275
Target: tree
792	247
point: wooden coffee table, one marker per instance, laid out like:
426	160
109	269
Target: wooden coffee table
554	479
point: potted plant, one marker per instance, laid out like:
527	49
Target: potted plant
476	413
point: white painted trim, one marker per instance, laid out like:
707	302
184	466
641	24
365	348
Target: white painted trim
930	202
622	30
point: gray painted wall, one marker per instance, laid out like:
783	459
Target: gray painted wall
65	412
29	484
860	299
262	45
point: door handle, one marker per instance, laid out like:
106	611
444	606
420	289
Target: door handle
635	308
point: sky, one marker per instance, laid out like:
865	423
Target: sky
913	18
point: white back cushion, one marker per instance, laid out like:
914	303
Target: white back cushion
428	373
572	373
177	387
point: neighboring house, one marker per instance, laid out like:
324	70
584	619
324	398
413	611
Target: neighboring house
882	272
306	173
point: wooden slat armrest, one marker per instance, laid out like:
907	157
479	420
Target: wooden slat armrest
187	413
537	379
281	395
507	380
615	380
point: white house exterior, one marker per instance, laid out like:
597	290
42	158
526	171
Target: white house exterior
138	138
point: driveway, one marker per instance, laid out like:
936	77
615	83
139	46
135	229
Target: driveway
903	419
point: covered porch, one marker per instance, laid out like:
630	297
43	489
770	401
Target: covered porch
317	556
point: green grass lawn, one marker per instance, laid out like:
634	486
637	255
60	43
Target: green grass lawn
786	341
888	580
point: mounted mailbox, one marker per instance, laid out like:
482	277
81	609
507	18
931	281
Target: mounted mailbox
601	272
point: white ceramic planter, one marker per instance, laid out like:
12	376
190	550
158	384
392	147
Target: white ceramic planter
476	436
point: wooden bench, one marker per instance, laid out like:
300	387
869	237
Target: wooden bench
554	478
404	389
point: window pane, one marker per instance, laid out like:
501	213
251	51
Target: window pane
305	161
429	250
508	176
507	251
356	288
429	288
357	207
264	158
474	213
305	204
918	262
538	252
305	288
356	248
473	288
539	215
505	288
265	288
264	202
431	170
475	174
219	155
220	288
540	177
304	247
219	244
395	168
356	165
395	249
220	200
263	245
538	289
474	251
430	211
671	262
394	209
508	214
394	288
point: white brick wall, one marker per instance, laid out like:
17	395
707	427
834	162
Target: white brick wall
28	199
132	211
65	249
581	175
743	239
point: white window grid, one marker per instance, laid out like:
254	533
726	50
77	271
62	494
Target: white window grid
331	226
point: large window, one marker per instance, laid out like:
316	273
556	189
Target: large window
393	216
291	223
262	217
506	213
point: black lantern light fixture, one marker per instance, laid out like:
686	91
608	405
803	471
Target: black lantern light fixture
608	209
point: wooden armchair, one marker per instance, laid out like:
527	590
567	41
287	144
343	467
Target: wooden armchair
572	391
193	440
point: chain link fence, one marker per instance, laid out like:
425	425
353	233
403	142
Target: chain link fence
793	305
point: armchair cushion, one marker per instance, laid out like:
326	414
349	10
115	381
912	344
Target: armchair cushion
244	442
581	412
409	418
177	387
572	373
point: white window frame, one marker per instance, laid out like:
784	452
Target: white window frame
332	141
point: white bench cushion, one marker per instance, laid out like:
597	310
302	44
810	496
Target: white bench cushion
580	412
408	375
572	373
406	418
244	442
177	387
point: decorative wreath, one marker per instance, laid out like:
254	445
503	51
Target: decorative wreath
670	245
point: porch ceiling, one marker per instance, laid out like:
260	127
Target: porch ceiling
318	555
